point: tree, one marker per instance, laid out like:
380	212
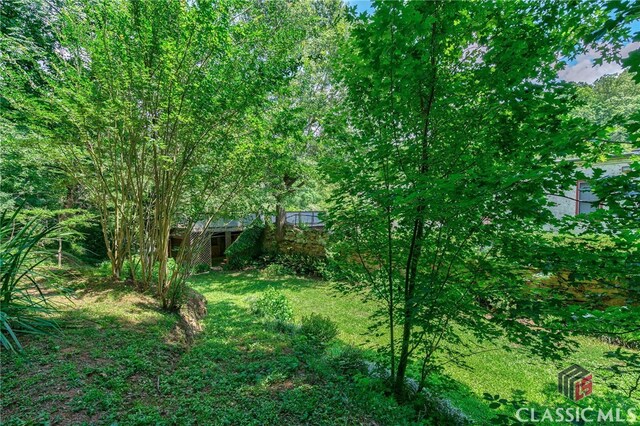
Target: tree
610	101
293	131
454	130
140	94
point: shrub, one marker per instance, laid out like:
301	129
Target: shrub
275	270
131	269
298	264
319	329
21	299
201	267
104	268
246	248
273	305
349	361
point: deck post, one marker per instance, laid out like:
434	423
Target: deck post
227	239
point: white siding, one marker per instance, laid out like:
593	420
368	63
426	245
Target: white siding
566	204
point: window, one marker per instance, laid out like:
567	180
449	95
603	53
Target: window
586	201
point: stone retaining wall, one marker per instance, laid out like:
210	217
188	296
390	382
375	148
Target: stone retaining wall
305	241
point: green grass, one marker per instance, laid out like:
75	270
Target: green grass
512	374
119	361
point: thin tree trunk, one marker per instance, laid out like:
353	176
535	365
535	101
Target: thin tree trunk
392	342
59	252
281	213
408	311
281	219
69	201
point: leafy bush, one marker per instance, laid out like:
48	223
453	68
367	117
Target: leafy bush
298	264
349	361
319	329
201	267
22	301
273	305
131	269
104	268
246	248
275	270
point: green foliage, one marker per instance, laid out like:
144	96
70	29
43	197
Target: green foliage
624	372
445	150
201	267
154	106
299	264
231	374
276	270
493	365
610	101
318	329
132	270
22	301
104	268
273	306
246	248
350	361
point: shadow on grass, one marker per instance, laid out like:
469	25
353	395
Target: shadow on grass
247	282
98	365
109	367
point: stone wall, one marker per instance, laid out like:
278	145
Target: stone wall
305	241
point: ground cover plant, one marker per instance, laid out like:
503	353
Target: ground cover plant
495	367
116	360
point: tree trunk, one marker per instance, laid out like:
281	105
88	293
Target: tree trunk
59	252
162	255
281	219
409	291
67	204
281	213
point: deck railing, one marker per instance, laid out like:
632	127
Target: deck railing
309	219
303	218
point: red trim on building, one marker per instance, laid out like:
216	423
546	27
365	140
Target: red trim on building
578	196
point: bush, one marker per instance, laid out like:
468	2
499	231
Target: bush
275	270
273	305
132	269
298	264
22	301
201	267
246	248
104	268
318	329
349	361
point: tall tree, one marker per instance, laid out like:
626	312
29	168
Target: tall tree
144	92
455	128
293	132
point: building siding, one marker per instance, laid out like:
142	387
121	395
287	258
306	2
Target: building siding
565	204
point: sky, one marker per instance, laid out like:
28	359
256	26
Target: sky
582	69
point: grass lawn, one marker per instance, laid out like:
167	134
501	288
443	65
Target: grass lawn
118	362
512	374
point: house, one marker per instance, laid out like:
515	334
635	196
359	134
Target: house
218	235
580	199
